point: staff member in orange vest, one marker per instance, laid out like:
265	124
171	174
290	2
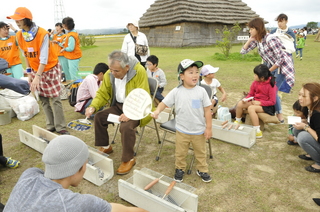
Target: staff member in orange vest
71	49
58	41
45	72
9	51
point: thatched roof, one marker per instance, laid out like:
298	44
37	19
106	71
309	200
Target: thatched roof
164	12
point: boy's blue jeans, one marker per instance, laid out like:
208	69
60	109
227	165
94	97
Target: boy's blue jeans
299	51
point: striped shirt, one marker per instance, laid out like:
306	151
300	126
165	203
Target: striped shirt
272	53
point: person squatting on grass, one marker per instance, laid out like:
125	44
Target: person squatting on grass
272	52
193	119
65	160
125	74
308	134
45	76
263	90
300	112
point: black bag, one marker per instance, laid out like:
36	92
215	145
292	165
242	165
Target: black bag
141	50
3	66
73	92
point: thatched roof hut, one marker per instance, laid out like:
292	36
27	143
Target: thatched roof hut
177	23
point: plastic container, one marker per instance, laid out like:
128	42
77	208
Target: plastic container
224	114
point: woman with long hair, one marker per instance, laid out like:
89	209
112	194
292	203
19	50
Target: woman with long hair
308	134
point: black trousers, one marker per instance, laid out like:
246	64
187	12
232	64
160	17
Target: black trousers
3	160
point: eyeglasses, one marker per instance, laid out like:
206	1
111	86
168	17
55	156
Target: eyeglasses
148	64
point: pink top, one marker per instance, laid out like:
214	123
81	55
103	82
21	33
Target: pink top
87	90
263	92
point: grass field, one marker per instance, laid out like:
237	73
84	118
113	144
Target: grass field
267	177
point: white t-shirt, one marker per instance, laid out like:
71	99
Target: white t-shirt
214	85
189	106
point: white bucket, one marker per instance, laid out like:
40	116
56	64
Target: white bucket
5	116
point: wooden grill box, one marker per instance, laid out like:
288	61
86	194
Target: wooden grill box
99	168
181	198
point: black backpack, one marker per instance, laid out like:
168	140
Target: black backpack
73	92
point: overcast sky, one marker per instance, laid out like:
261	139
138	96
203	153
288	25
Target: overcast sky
95	14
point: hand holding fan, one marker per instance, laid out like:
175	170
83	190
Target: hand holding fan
137	105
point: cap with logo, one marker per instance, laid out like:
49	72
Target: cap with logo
185	64
21	13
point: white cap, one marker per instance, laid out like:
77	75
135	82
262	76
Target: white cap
208	69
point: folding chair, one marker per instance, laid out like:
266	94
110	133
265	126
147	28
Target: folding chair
170	126
153	86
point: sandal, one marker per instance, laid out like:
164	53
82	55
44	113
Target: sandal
305	157
312	169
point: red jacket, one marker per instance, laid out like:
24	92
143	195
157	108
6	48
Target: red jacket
263	92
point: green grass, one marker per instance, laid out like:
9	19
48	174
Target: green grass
267	177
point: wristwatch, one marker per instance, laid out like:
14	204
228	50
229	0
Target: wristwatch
306	127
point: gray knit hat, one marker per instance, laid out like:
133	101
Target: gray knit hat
64	156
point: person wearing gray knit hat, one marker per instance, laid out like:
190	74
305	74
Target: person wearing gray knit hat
65	160
64	156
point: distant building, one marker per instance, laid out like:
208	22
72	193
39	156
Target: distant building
178	23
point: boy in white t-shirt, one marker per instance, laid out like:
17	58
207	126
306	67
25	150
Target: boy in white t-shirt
208	73
193	119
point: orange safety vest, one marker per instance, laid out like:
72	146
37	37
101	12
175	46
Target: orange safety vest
10	51
56	46
32	48
76	53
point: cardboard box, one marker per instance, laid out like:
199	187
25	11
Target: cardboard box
244	136
181	198
99	168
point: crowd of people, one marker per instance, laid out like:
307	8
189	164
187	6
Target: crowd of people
66	156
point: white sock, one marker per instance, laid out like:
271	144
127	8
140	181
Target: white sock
238	119
106	147
257	128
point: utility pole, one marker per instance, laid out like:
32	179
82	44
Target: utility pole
59	12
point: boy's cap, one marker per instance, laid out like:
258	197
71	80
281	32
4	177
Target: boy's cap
64	156
208	69
184	64
134	23
21	13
